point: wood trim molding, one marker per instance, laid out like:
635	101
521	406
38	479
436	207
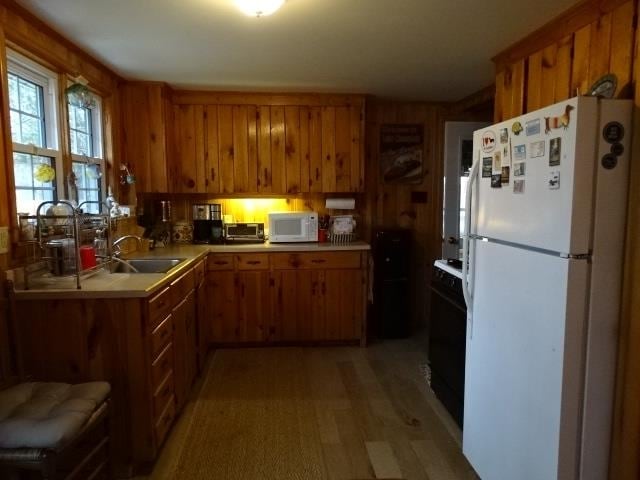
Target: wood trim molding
481	97
576	17
193	97
7	188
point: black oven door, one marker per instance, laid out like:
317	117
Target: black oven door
447	348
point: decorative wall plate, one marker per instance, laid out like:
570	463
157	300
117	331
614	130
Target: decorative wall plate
604	87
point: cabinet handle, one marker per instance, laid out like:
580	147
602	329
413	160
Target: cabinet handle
220	262
213	174
324	288
318	260
254	262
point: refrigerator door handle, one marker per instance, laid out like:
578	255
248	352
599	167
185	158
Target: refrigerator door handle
466	291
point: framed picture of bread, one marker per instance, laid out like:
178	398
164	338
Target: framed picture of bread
401	152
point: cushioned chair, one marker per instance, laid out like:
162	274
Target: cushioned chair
55	430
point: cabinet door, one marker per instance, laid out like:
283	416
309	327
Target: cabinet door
145	115
343	292
237	149
342	149
297	306
221	306
253	294
184	347
188	162
203	324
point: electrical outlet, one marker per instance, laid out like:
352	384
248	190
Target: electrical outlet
4	239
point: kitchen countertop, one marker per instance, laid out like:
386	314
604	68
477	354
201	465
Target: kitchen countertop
140	285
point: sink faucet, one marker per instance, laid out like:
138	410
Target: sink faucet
117	250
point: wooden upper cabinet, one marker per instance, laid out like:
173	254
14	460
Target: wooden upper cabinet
146	119
206	144
188	158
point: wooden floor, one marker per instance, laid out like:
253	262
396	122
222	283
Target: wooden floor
314	413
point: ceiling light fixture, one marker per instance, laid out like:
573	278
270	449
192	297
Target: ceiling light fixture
259	8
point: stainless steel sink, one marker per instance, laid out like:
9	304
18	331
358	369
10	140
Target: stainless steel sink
146	265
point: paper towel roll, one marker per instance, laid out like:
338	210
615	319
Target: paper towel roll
341	203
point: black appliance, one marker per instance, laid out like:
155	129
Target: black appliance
447	341
391	251
208	231
207	223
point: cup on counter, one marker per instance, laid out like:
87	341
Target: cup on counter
322	235
87	257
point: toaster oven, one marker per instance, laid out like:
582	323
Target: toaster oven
244	232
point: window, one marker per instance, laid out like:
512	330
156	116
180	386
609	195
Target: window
85	133
36	159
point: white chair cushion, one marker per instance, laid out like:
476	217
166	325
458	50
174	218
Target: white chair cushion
47	415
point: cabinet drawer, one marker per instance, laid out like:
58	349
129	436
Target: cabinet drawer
181	287
199	271
220	262
162	395
161	336
163	424
252	261
315	260
159	307
162	365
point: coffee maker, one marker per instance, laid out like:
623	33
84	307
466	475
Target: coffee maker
207	223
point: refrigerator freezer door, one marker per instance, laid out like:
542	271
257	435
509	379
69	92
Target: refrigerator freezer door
556	218
523	364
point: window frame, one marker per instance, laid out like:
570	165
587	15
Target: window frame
97	146
27	69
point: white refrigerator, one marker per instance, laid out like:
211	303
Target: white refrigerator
543	260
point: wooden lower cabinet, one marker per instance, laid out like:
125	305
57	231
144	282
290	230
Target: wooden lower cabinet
300	298
185	348
146	348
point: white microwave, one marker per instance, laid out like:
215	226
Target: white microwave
293	227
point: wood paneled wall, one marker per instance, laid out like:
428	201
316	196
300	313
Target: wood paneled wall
23	32
561	59
26	34
390	205
566	57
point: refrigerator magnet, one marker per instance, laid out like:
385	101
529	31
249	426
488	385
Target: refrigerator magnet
497	162
487	167
488	141
554	152
504	135
519	169
516	128
504	176
561	121
506	156
617	149
518	186
533	127
613	132
519	152
495	180
554	180
537	149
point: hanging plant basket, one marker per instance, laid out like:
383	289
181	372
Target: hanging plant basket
79	95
